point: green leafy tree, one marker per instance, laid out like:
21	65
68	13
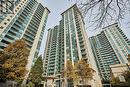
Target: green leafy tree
30	84
13	60
36	71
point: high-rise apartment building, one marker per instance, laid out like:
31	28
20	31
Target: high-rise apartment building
7	7
26	22
110	47
104	54
67	41
52	52
119	42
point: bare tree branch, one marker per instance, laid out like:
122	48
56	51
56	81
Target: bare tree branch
102	12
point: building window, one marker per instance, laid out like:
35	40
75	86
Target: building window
5	23
1	27
8	19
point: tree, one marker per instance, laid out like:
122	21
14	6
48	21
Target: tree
14	59
36	71
3	57
126	74
69	70
30	84
114	80
83	71
100	12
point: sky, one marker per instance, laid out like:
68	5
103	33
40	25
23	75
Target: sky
57	7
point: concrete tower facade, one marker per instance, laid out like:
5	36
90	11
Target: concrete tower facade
27	22
68	41
119	42
110	47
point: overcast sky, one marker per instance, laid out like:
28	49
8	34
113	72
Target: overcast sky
57	7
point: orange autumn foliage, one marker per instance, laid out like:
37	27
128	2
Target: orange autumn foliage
15	65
